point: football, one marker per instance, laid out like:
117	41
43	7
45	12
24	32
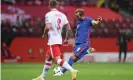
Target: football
57	70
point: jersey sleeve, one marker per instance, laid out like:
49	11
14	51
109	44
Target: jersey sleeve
90	21
47	18
65	20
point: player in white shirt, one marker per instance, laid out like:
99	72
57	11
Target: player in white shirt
55	21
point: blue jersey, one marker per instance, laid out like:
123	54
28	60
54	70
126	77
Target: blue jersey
83	30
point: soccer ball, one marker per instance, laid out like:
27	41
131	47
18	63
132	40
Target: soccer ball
57	70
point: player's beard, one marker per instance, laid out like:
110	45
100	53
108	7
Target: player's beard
77	17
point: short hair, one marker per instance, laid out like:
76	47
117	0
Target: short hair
53	3
80	11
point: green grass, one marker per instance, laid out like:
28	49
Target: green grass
92	71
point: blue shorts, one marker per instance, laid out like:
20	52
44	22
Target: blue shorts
81	49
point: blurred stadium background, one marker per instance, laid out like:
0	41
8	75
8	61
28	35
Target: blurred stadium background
22	24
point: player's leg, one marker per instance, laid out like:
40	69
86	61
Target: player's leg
56	53
125	53
75	57
120	51
47	66
55	50
64	64
71	61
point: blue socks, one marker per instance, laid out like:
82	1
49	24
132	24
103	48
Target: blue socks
70	62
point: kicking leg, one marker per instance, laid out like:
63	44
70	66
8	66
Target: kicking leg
55	51
64	64
74	58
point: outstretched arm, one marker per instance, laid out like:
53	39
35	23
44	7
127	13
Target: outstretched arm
95	22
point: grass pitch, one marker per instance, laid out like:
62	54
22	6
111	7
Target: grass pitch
91	71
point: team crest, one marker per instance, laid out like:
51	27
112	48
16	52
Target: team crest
78	49
78	26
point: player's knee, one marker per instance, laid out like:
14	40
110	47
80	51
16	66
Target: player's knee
56	58
49	58
74	57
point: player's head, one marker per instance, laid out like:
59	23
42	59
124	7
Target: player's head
79	14
53	4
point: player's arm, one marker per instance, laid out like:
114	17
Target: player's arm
67	26
68	30
47	25
95	22
46	29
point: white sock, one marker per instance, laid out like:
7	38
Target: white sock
65	65
46	68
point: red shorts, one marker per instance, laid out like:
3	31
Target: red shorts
54	50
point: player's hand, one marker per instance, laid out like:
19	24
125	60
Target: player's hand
73	45
65	42
42	36
99	18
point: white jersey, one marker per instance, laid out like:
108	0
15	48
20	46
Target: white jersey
57	20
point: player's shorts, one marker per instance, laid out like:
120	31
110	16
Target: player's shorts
54	50
81	49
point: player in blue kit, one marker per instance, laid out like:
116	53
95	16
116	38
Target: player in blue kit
82	40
